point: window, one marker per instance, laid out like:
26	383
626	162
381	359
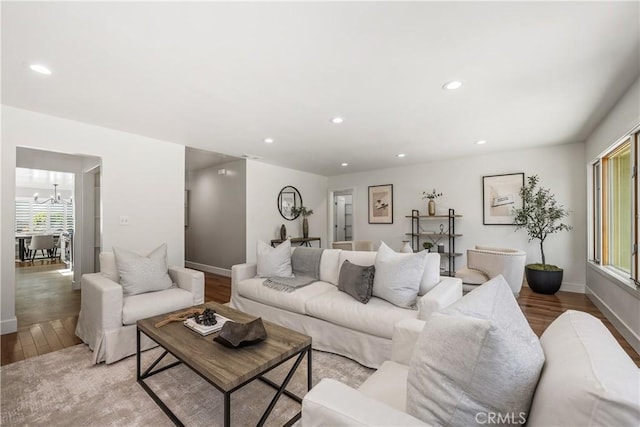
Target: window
615	208
34	217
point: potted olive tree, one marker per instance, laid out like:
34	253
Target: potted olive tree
541	216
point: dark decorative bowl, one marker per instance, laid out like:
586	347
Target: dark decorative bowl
236	335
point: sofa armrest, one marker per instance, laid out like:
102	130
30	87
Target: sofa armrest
240	272
100	311
331	403
189	280
405	336
445	293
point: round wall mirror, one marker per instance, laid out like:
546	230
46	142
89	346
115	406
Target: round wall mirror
288	198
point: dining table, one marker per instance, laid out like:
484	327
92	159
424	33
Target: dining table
22	238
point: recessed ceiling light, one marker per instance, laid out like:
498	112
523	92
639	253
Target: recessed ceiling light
268	140
40	69
344	164
401	155
337	120
452	85
481	142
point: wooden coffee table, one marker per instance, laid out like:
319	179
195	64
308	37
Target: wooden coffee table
227	369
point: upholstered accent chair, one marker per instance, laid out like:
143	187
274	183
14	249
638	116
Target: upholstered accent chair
486	262
355	245
107	320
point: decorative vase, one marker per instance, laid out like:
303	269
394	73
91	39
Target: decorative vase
283	232
432	207
406	248
305	228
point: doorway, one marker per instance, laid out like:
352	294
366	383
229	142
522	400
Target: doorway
47	288
342	215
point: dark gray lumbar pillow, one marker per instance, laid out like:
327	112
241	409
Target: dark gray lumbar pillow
357	281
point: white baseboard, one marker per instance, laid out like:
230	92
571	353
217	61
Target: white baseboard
573	287
9	326
578	288
625	331
208	268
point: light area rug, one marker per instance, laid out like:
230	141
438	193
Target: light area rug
63	388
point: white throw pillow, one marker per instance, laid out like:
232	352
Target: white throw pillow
274	262
398	276
475	358
140	274
431	276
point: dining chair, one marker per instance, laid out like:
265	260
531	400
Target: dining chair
41	243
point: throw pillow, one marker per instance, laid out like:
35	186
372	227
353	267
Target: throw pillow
274	262
398	276
475	358
140	274
357	281
431	276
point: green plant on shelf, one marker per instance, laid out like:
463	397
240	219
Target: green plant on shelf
433	195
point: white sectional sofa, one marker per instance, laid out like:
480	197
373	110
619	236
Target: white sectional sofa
587	380
337	322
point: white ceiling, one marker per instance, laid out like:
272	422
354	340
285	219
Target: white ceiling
223	76
43	179
199	159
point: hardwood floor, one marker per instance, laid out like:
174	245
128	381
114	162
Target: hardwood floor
45	336
47	310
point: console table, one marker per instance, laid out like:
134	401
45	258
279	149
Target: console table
302	241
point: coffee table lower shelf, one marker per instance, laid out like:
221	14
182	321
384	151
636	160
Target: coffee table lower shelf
281	389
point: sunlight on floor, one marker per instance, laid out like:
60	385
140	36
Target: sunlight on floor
65	272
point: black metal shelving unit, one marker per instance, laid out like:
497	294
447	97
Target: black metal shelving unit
435	237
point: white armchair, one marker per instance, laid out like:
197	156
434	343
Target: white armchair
107	320
486	262
380	400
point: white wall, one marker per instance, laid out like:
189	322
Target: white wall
618	301
142	178
215	238
264	183
560	168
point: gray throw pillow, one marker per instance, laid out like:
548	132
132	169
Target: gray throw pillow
357	281
140	274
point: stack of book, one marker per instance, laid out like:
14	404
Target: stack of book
206	330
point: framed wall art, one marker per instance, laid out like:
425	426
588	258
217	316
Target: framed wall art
500	196
381	204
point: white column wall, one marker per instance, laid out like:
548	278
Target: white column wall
142	178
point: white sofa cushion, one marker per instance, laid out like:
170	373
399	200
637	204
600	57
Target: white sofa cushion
274	262
330	266
357	257
388	385
585	370
141	306
108	266
140	274
377	317
478	356
431	276
398	276
295	301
